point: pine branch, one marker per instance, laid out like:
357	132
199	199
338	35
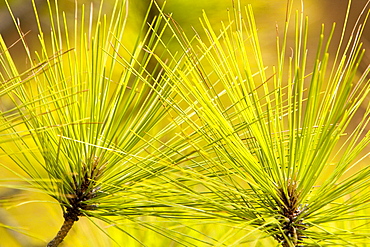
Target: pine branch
69	220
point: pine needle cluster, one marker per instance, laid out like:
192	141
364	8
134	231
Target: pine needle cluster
209	133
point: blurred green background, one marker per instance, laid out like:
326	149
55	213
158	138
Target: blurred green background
42	220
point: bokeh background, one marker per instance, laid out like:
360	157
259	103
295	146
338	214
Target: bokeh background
38	222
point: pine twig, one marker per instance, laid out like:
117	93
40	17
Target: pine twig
77	201
66	227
